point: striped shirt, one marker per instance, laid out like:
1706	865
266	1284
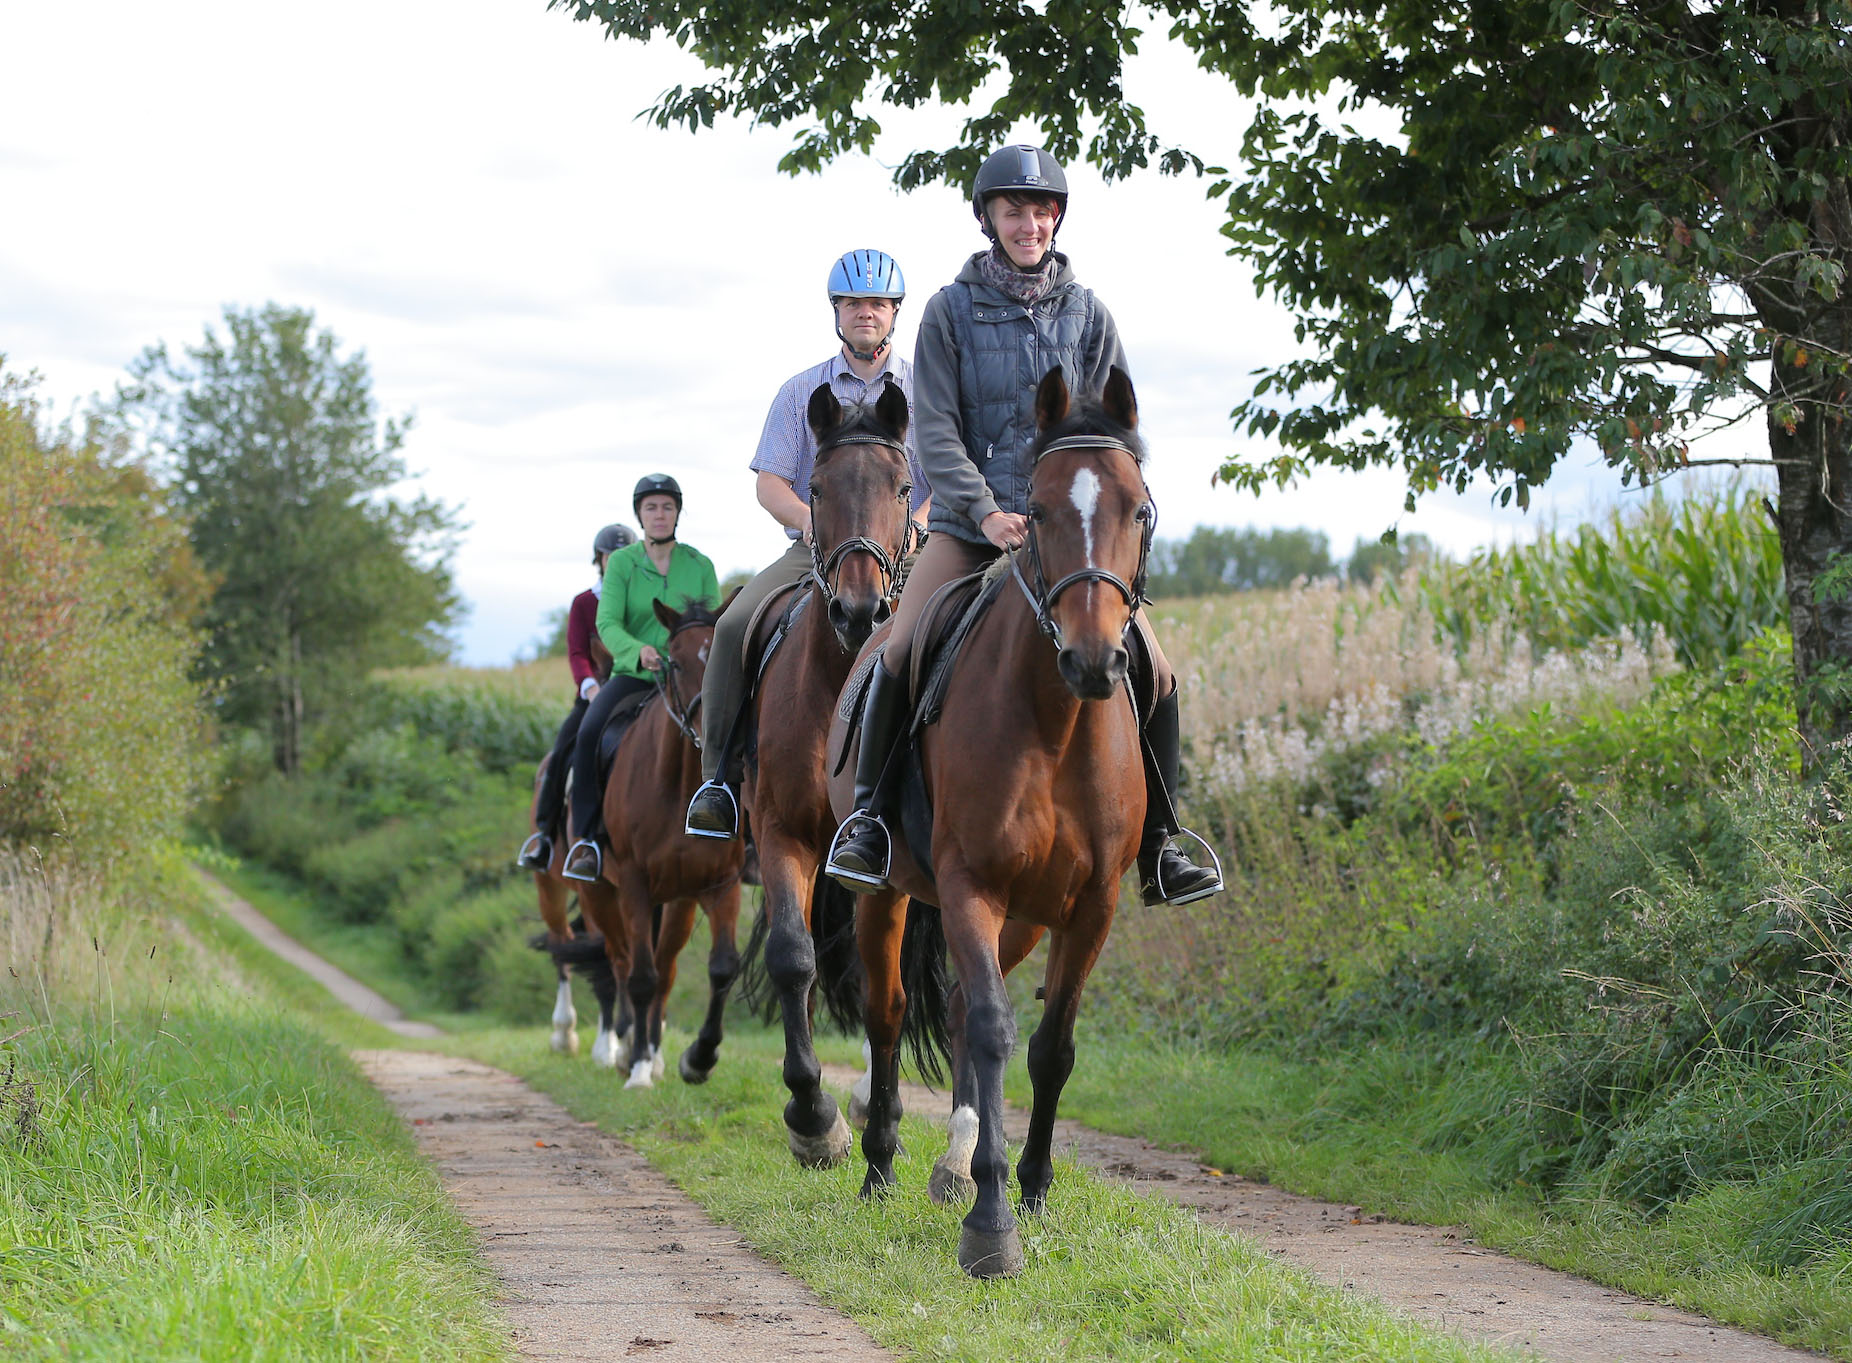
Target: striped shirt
788	449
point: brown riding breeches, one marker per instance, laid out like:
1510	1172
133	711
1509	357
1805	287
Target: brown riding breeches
946	558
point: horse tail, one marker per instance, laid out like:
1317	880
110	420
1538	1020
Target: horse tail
928	981
841	982
585	949
752	986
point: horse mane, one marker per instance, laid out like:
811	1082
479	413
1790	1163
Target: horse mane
692	613
1088	417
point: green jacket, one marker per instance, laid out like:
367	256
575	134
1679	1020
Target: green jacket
626	603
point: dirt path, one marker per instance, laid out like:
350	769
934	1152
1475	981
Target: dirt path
1434	1274
598	1255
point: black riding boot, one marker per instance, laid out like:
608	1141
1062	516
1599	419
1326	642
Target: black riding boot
1165	875
861	850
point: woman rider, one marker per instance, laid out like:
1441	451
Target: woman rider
635	578
985	342
590	661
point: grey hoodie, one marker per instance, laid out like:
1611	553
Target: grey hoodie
976	366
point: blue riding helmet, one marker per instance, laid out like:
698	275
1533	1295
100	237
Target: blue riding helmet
867	274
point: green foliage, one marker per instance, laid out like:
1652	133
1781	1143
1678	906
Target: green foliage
1213	560
504	732
1389	557
276	455
552	640
1704	572
101	734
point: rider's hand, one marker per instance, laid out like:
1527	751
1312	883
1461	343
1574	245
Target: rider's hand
803	530
1005	529
649	659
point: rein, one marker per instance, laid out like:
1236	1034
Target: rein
1040	595
682	717
823	570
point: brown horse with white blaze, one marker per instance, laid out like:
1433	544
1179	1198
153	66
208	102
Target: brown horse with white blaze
653	861
861	529
1035	773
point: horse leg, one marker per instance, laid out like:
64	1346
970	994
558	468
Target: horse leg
818	1136
951	1183
1051	1053
989	1245
723	966
674	926
642	985
880	926
552	895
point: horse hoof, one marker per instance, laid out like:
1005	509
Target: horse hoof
825	1151
642	1076
691	1073
565	1041
990	1254
950	1188
604	1052
657	1065
858	1112
620	1056
878	1184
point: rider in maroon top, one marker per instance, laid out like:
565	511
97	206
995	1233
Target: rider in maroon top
591	668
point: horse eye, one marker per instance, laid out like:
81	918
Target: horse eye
906	491
816	494
1144	513
1037	515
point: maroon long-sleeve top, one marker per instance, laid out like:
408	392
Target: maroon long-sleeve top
584	649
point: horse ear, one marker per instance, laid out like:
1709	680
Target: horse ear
1051	399
669	618
730	595
1117	398
891	407
825	412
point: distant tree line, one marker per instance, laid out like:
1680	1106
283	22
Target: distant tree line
1216	560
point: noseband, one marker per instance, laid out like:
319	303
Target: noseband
681	717
1041	596
823	569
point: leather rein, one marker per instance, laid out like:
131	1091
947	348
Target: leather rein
823	569
1040	595
682	717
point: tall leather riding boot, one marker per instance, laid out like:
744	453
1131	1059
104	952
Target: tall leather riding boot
1165	875
861	850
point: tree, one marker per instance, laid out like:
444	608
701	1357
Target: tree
1618	222
1388	556
1213	560
275	451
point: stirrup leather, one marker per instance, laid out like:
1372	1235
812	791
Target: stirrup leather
1207	890
733	817
844	873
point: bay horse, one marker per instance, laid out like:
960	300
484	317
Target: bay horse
653	861
604	951
1036	780
861	529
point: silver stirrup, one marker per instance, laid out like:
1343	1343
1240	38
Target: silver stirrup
733	802
855	879
532	844
597	851
1206	891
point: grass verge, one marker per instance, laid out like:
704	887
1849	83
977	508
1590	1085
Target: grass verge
1360	1126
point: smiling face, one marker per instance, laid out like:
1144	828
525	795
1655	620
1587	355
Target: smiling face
1024	226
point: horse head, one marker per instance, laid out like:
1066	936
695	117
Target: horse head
1090	525
691	636
860	508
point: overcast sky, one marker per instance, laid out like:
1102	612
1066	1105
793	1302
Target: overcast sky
566	298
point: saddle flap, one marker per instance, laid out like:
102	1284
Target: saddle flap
617	724
945	628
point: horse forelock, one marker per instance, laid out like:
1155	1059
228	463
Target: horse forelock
858	420
1088	417
692	615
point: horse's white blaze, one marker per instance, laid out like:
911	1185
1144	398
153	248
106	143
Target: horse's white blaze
962	1143
702	655
1086	498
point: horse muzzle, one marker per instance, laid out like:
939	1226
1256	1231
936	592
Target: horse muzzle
1092	673
855	620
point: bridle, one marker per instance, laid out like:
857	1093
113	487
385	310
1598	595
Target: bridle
1040	595
682	717
823	569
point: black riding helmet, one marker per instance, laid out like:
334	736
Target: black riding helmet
612	538
652	484
1029	170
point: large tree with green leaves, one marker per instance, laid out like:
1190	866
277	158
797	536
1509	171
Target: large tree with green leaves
1509	228
278	456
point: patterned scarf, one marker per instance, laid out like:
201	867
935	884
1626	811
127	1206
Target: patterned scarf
1024	286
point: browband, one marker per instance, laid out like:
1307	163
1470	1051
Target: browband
1086	442
859	439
